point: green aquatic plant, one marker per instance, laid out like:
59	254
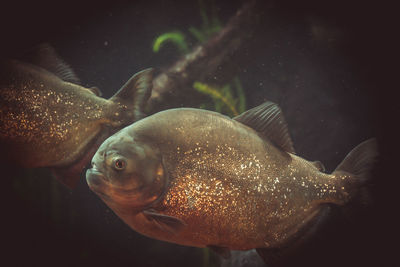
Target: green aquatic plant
225	99
210	26
176	37
241	97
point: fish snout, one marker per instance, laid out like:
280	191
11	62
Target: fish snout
94	179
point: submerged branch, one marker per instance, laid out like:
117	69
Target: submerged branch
204	60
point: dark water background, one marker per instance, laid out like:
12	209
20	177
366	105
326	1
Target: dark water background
323	63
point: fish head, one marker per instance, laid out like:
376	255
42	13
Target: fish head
127	173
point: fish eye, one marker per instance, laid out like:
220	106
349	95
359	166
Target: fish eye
119	164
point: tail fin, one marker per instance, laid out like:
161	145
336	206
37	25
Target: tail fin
136	91
360	160
359	163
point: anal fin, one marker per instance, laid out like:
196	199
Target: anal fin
279	256
271	256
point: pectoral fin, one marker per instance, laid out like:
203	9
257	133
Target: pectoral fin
164	222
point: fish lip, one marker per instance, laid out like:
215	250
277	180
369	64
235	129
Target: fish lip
129	191
97	183
93	171
95	180
93	176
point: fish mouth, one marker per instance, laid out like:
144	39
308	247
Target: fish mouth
93	176
96	181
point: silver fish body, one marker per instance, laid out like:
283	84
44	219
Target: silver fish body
216	181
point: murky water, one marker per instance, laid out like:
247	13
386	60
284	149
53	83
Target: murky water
308	59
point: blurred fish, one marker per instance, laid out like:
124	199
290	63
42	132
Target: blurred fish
49	120
197	178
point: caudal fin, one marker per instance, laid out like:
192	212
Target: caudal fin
361	160
136	91
358	164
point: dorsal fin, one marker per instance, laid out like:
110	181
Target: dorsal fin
46	57
268	120
136	91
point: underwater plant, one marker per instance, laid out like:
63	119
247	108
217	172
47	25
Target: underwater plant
175	37
225	99
209	27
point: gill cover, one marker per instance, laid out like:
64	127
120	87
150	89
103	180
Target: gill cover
134	172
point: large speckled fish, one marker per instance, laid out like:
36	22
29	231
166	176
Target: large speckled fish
49	120
198	178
